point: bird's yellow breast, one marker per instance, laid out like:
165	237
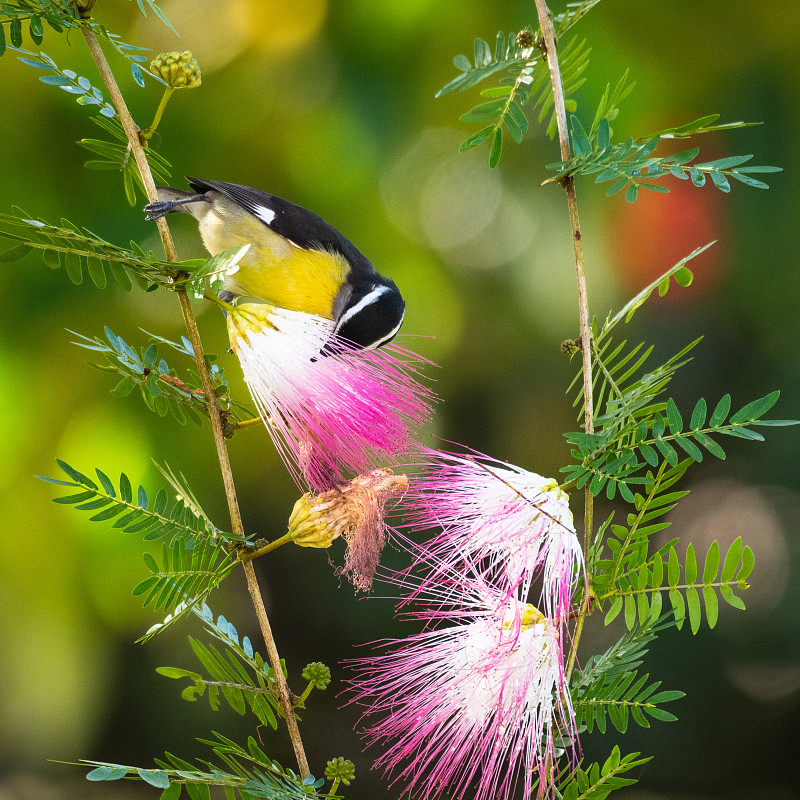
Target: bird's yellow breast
274	269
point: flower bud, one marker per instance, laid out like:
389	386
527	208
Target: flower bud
525	38
569	347
341	769
179	70
318	674
309	525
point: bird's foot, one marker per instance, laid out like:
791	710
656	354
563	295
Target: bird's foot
153	211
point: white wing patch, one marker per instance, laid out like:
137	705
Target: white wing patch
266	215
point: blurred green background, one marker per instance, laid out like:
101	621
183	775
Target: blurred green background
331	104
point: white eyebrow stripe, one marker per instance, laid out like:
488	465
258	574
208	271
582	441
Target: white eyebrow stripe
266	215
389	336
366	300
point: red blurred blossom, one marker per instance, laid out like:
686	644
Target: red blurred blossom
649	236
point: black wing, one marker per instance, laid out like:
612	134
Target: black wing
300	226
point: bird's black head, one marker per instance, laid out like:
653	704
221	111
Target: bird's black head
370	313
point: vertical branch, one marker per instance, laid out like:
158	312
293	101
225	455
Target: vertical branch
549	49
132	132
275	662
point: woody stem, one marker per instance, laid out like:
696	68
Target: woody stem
133	133
549	48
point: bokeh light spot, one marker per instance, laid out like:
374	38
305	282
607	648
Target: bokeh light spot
279	27
451	202
765	682
726	509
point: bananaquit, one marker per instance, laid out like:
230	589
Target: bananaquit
296	260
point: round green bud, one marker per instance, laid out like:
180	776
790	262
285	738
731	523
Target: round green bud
318	674
525	38
570	346
178	70
341	769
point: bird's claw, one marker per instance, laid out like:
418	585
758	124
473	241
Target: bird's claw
153	211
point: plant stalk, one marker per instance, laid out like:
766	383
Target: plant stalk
275	662
133	133
549	48
249	555
168	92
248	423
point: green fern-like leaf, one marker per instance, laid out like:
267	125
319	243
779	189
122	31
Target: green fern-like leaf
33	14
525	80
240	676
607	111
628	695
636	431
639	590
67	80
185	578
248	773
623	656
153	518
663	433
162	390
631	165
597	781
610	688
117	156
615	368
80	252
507	54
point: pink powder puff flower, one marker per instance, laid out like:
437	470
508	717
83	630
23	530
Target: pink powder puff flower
506	523
328	415
477	704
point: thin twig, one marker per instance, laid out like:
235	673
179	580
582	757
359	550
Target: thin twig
549	49
132	131
248	555
275	662
148	134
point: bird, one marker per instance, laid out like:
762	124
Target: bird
296	260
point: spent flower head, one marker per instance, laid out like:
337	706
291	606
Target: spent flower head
354	510
330	416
